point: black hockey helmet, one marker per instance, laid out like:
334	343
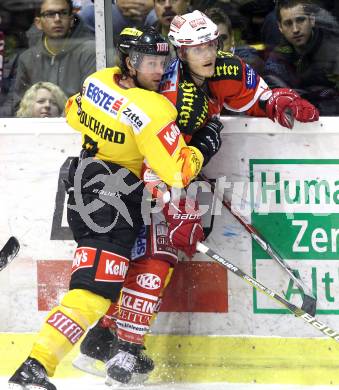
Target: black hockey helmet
136	43
144	40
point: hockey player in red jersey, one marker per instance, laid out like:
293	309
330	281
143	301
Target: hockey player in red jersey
227	80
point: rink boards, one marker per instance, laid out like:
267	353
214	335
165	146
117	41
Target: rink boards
213	326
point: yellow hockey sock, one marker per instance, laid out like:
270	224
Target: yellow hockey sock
64	326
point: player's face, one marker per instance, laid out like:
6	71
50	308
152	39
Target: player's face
150	71
55	19
296	26
201	58
45	105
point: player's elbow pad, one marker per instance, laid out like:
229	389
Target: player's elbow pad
208	139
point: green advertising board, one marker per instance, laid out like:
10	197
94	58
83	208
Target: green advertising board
295	206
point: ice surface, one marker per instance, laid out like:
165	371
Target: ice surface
89	382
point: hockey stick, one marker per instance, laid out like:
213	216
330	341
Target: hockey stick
326	330
309	300
8	252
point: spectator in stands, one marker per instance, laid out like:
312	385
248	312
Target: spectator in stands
327	13
15	18
165	11
42	100
308	58
227	39
63	55
126	13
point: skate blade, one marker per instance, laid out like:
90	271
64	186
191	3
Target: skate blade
137	380
15	386
91	366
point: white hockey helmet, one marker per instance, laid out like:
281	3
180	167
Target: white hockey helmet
192	29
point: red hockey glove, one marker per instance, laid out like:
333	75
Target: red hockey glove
184	225
284	105
304	111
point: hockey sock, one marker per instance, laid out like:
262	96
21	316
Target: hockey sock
140	298
64	326
110	317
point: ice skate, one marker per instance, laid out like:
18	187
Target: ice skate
96	348
30	375
128	365
144	365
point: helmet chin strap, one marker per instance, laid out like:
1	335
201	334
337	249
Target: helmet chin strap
136	81
194	75
197	76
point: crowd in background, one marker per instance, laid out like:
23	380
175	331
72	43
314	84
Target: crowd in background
47	47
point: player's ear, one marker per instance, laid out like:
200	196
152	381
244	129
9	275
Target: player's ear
180	55
130	67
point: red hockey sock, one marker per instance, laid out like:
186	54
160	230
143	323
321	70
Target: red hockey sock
140	298
110	317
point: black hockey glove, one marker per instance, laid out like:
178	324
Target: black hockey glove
207	139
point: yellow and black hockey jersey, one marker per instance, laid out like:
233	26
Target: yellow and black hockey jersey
130	125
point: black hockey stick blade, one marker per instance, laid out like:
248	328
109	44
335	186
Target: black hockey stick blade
309	304
8	252
300	313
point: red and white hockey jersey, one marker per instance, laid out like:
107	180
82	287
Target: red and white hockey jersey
234	85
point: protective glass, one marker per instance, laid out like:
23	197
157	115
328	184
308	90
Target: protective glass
202	50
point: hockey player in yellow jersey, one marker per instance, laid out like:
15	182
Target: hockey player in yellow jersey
123	122
127	125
